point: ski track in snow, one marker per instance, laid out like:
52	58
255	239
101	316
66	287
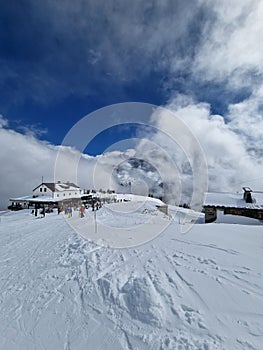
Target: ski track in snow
203	290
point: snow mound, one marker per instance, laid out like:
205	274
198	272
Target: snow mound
139	299
128	213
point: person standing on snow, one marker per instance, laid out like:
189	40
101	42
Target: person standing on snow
35	210
69	212
82	211
43	212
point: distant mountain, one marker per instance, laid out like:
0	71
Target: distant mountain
134	174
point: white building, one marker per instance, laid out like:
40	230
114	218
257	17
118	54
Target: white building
49	193
58	191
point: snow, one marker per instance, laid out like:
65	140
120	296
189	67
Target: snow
34	199
233	200
201	290
120	225
60	187
138	198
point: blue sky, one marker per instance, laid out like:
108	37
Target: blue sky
62	60
58	64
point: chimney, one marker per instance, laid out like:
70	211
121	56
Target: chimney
247	194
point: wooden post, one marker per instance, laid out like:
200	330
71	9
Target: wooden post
95	222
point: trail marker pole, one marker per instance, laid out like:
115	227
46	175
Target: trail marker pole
95	222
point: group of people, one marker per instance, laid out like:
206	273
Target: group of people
42	211
68	210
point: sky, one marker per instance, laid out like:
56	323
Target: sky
200	59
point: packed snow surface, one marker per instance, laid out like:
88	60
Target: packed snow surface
234	200
201	290
120	225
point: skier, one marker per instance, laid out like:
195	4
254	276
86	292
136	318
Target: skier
69	212
43	212
82	210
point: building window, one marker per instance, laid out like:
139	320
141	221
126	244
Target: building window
57	195
45	190
64	194
40	189
70	194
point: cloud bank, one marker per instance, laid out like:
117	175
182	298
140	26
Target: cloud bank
232	154
25	160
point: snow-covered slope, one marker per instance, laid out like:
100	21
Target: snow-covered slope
120	225
202	290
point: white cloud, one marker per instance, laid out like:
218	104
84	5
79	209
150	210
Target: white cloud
34	130
3	122
246	119
228	154
231	47
24	160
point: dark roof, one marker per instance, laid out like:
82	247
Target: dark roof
52	185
